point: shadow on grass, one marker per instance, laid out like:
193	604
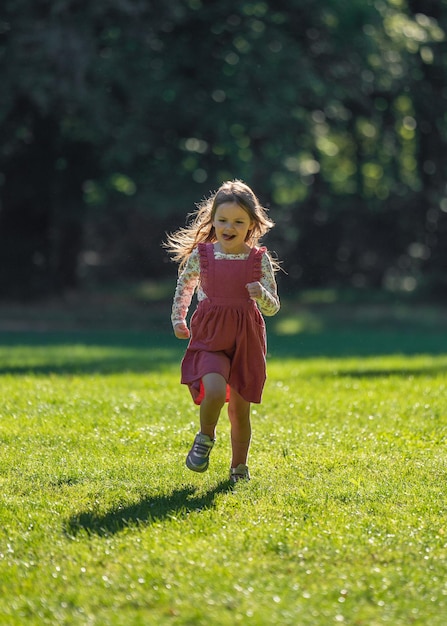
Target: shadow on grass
358	342
149	510
87	352
109	352
424	370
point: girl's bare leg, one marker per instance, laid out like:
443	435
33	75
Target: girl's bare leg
239	414
215	391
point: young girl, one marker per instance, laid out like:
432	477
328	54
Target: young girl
225	358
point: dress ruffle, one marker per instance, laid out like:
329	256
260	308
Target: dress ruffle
257	266
204	265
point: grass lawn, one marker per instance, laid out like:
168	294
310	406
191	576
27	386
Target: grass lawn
343	522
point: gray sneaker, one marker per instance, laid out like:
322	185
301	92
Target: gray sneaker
239	473
197	459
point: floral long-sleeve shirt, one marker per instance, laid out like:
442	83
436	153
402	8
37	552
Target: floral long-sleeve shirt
189	280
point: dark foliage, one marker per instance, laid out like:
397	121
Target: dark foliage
118	115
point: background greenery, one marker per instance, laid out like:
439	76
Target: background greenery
116	116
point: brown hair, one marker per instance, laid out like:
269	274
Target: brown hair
182	242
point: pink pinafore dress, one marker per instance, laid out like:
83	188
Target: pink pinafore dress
227	329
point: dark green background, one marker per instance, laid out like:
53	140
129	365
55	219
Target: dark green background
117	116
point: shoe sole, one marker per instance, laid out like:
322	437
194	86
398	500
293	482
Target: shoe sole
196	468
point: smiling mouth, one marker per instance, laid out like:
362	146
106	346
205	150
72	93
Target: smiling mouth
228	237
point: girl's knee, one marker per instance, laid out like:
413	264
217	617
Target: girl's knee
215	395
238	408
238	415
215	388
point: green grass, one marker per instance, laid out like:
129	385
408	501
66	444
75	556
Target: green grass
343	522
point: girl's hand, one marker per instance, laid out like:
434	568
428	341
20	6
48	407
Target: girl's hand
181	331
254	290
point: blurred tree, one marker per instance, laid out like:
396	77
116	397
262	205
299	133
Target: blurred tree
117	116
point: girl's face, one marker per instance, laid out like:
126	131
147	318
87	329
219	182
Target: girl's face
231	224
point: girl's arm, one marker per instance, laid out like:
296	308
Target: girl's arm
265	291
186	285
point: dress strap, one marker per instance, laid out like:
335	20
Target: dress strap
257	254
204	249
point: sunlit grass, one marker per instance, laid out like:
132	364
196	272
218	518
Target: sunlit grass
342	522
